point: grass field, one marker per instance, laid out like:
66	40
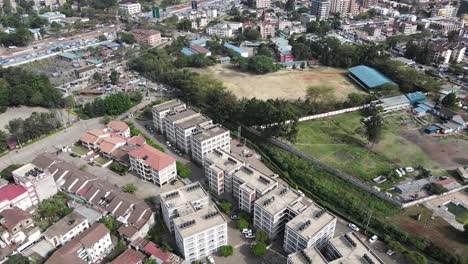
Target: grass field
460	212
435	229
287	84
336	142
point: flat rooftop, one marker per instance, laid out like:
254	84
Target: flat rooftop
208	132
168	105
280	199
350	247
183	197
221	160
255	179
181	115
30	171
199	221
311	221
65	224
192	122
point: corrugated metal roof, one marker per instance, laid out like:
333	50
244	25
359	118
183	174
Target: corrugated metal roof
416	97
234	48
369	76
187	51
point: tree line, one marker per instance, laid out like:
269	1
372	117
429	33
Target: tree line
21	87
114	104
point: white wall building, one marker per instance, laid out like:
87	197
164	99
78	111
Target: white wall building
12	195
175	117
320	8
152	165
161	110
219	168
184	130
130	8
221	30
66	229
263	4
207	138
39	183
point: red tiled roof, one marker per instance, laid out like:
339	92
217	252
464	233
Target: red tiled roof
137	140
110	143
11	191
446	181
199	49
117	125
92	136
130	256
11	217
153	249
153	157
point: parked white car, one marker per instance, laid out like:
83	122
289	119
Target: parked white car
373	239
210	260
246	231
409	169
398	172
353	227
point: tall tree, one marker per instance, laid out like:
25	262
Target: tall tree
374	126
450	100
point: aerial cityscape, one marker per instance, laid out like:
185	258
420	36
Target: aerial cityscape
233	132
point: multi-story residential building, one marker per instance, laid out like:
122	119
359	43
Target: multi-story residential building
347	248
248	185
208	138
221	30
263	4
175	117
12	195
273	210
130	8
66	229
201	233
406	28
444	11
446	52
152	165
148	37
91	246
267	30
184	130
119	128
161	110
17	226
320	8
183	201
339	7
219	169
311	228
39	183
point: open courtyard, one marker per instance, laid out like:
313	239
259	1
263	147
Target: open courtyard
286	84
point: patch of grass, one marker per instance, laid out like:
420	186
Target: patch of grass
460	212
101	160
80	150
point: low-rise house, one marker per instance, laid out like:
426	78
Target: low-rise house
17	226
283	50
153	165
119	128
91	246
66	229
448	183
12	195
52	16
129	256
157	253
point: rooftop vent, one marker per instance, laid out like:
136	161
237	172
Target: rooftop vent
211	214
320	213
187	224
350	240
172	194
193	188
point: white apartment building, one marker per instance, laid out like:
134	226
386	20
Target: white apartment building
39	183
161	110
339	7
66	229
175	117
311	228
446	52
273	210
200	234
320	8
208	138
263	4
221	30
184	130
131	8
91	246
248	185
267	30
183	201
12	195
347	248
219	168
152	165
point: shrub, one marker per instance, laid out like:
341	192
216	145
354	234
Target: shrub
259	249
261	236
226	251
226	206
242	223
130	188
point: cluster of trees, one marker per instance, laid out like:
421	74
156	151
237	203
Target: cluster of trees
36	125
114	104
196	60
126	37
51	210
419	52
22	37
21	87
258	64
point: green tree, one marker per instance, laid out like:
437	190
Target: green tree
184	25
414	257
373	127
17	259
259	249
449	101
396	246
97	77
242	223
120	247
127	37
300	51
110	223
226	206
114	77
7	173
102	38
116	104
226	250
251	34
261	236
260	64
130	188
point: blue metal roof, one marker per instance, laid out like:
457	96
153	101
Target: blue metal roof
200	41
224	59
416	97
291	63
370	77
68	55
234	48
187	51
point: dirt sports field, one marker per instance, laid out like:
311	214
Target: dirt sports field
287	84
